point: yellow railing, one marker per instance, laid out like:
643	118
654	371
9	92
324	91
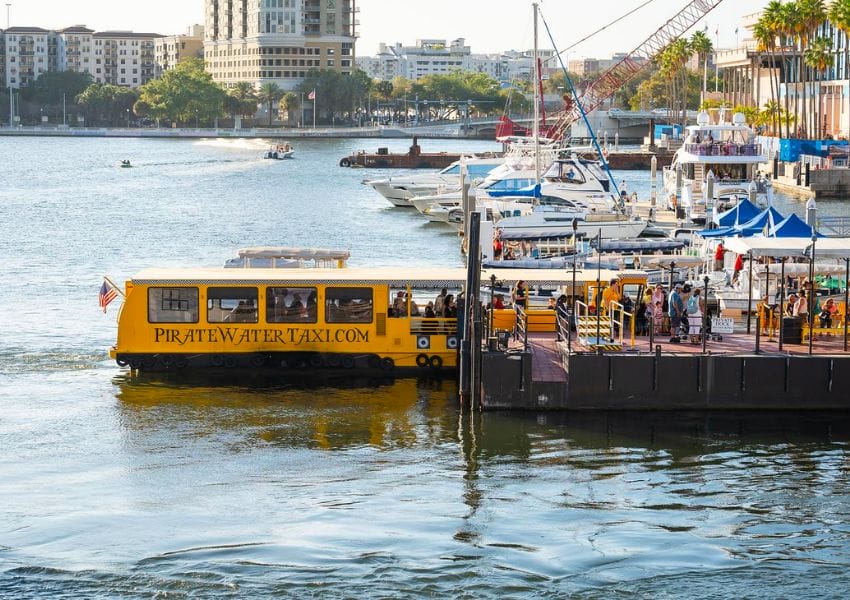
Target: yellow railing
618	309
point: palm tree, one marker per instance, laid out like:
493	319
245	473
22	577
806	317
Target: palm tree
766	41
772	19
811	14
290	103
818	57
269	94
701	44
787	20
839	15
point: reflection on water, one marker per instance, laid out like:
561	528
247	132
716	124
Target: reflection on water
255	488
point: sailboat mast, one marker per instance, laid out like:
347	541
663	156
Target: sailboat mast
536	124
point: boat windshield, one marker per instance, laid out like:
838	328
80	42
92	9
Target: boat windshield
564	172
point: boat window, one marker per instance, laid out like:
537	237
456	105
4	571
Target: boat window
475	170
173	305
451	170
291	305
348	305
232	305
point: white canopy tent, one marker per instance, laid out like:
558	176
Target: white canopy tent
789	247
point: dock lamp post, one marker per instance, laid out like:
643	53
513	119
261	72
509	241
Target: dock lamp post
598	300
811	303
780	310
571	312
750	292
705	315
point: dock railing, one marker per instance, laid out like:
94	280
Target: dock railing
619	315
521	329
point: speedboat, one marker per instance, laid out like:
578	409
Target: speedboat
279	151
720	160
547	222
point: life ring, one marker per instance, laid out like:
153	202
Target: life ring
387	364
436	362
422	360
345	163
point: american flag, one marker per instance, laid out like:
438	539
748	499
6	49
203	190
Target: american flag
106	295
311	95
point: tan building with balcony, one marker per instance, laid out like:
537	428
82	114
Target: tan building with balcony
29	52
75	49
170	50
262	41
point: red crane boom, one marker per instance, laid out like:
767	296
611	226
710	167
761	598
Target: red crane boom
609	82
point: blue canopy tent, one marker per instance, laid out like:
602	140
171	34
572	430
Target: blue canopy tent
764	222
793	227
755	225
742	212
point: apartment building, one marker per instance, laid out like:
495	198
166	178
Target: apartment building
28	52
124	58
278	41
75	49
170	50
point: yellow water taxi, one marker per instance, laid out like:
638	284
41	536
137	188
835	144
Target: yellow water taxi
304	318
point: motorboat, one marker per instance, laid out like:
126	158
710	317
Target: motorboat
279	151
283	257
716	166
557	222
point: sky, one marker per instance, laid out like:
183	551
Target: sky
487	25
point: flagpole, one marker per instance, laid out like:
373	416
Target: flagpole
314	109
115	287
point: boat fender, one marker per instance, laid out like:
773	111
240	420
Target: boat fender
274	155
230	362
374	361
422	360
258	360
436	362
387	364
167	361
180	362
216	360
316	361
148	362
121	361
347	362
333	361
345	163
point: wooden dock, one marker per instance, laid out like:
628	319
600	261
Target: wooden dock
731	374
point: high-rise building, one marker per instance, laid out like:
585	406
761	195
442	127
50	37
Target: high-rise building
75	49
170	50
262	41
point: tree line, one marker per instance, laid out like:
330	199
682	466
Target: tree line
188	96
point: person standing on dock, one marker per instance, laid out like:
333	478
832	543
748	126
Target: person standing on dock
739	266
675	311
718	256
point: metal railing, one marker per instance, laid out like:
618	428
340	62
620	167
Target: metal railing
723	149
834	226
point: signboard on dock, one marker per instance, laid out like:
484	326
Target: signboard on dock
722	325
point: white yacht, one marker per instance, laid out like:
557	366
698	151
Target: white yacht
726	152
400	190
547	222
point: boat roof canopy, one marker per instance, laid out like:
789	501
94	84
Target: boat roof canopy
426	277
293	253
790	247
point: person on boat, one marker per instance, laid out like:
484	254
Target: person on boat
611	294
519	295
739	266
297	308
440	300
789	306
718	256
414	309
399	305
449	307
498	302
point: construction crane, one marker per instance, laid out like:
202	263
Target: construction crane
609	82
